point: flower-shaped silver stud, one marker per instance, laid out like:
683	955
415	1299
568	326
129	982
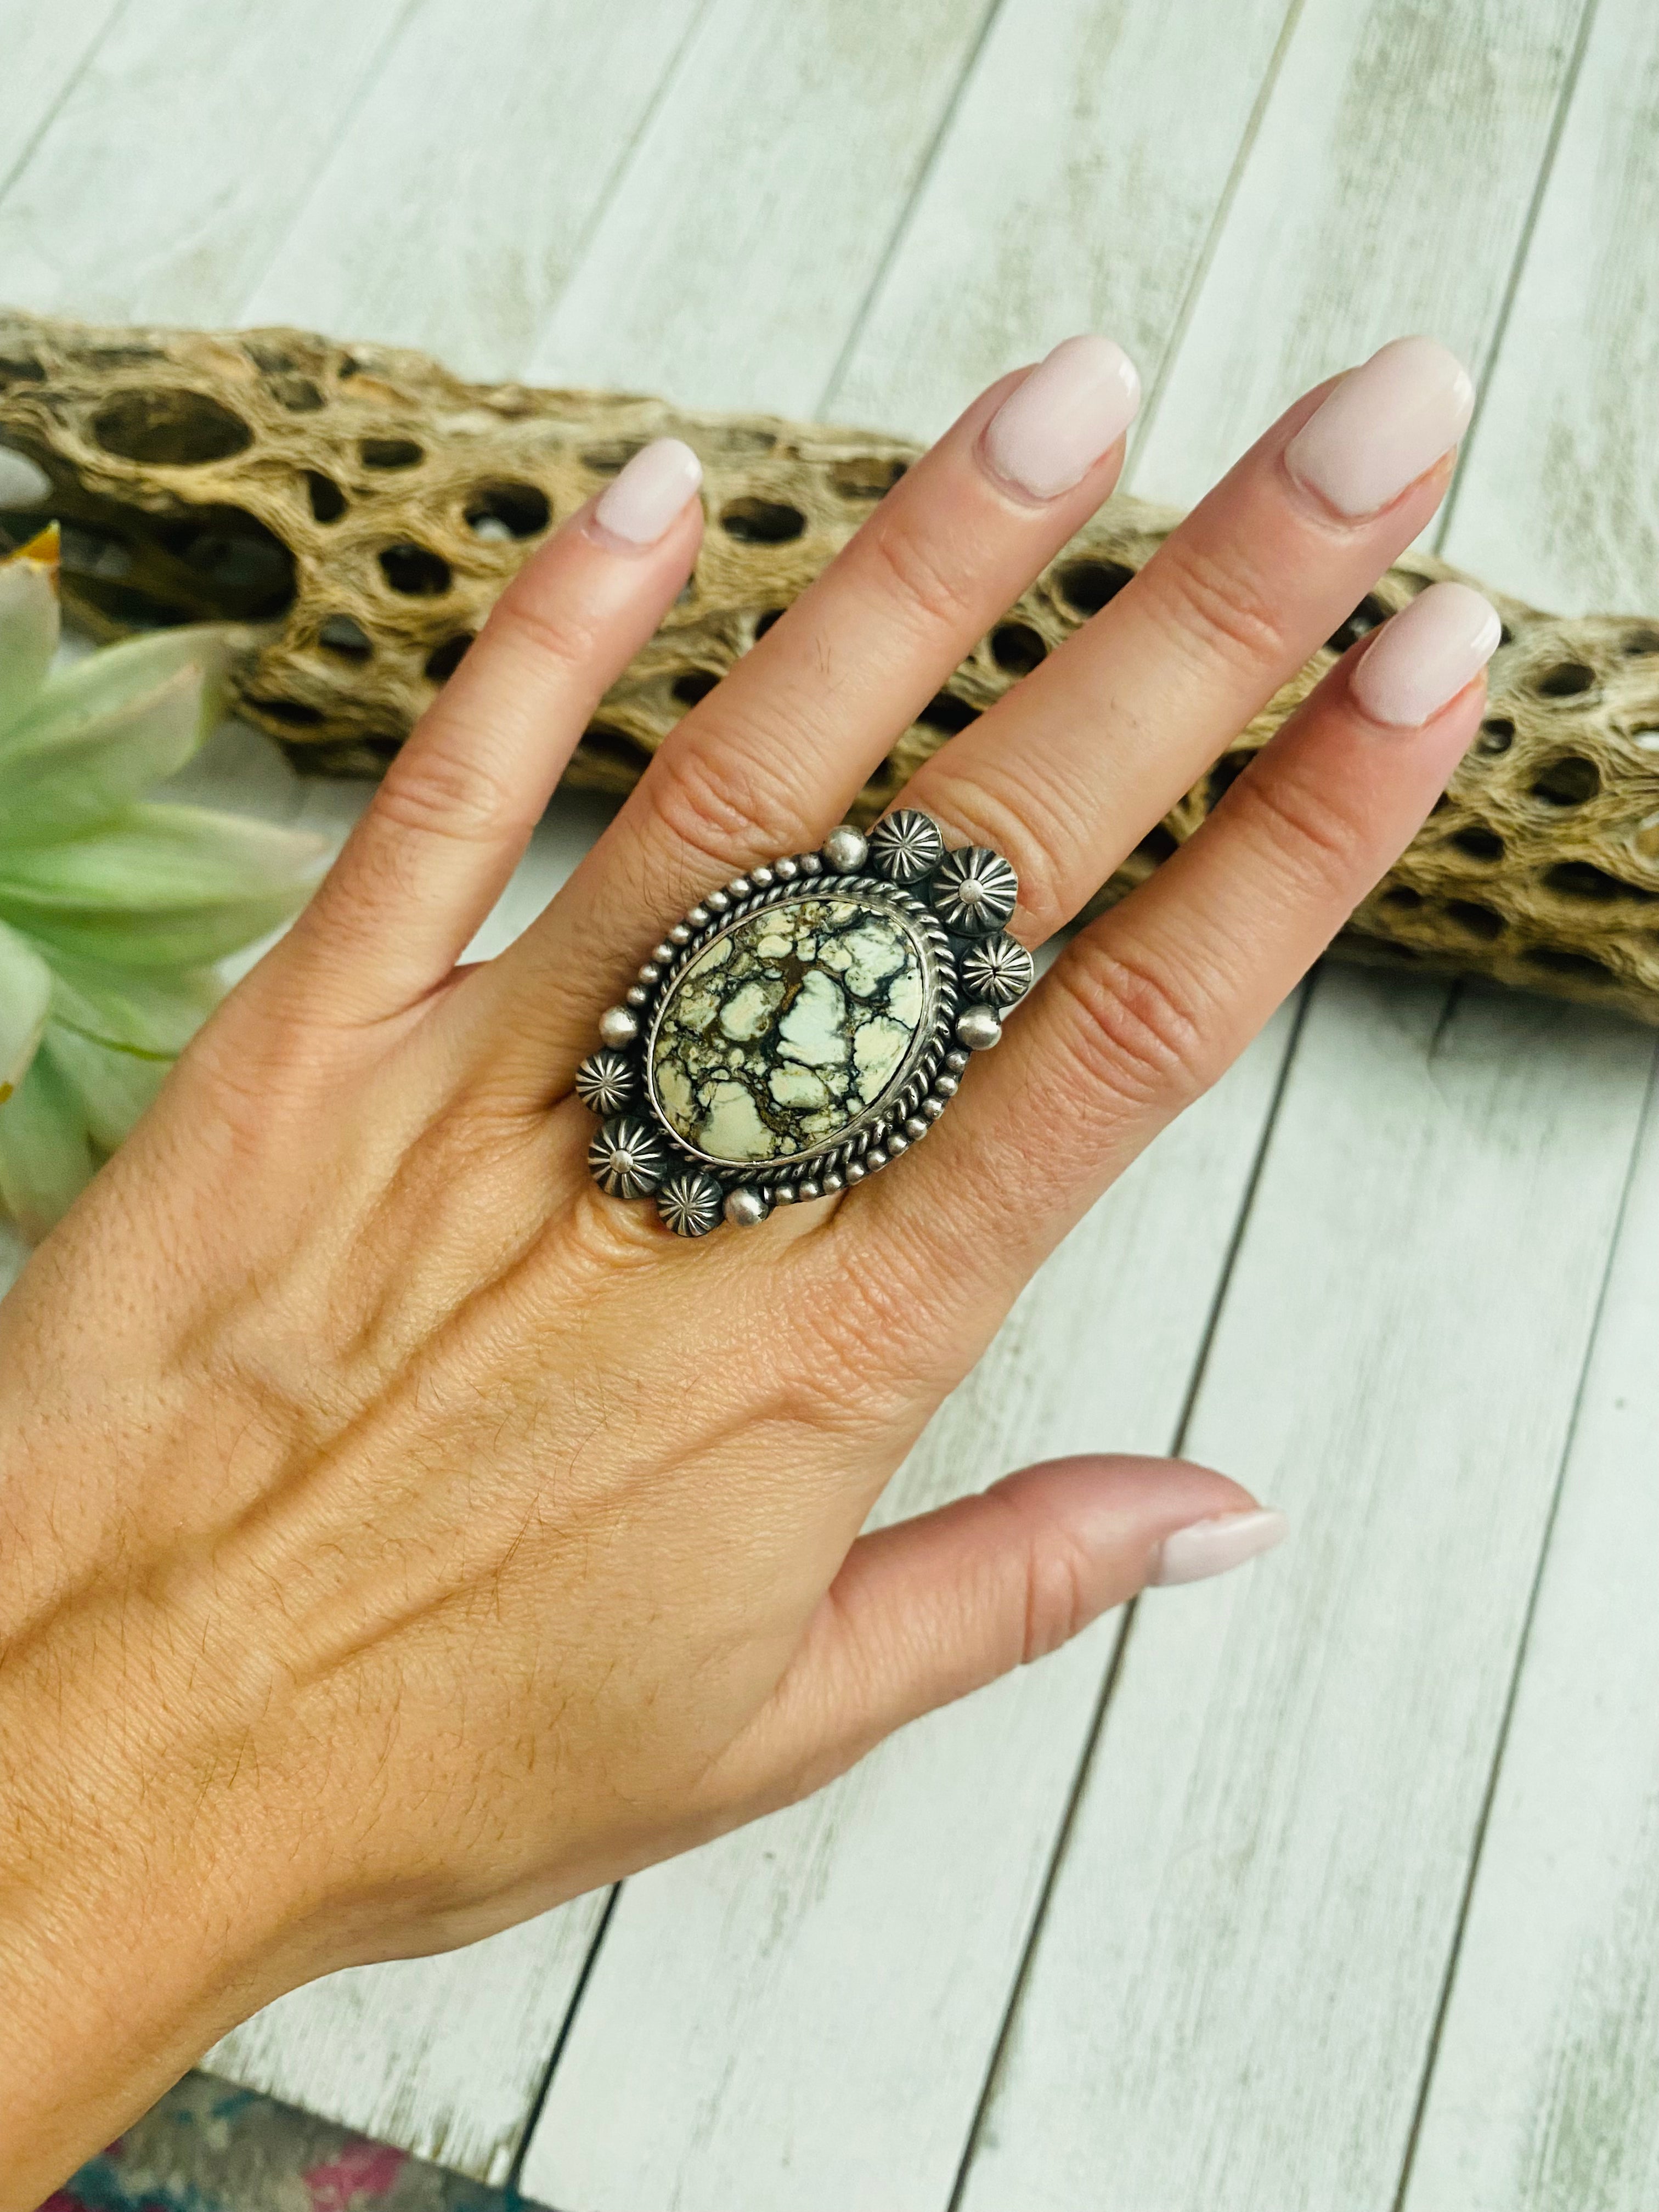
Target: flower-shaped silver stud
907	846
605	1083
692	1204
974	891
998	971
627	1158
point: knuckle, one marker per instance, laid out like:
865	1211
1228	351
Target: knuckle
1138	1033
1222	605
719	802
908	563
1034	825
553	633
1058	1578
443	788
1298	824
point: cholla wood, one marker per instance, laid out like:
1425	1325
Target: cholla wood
360	508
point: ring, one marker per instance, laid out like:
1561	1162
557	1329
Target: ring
801	1028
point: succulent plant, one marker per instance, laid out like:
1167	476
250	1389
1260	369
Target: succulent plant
113	909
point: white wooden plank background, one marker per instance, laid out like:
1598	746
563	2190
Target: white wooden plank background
798	205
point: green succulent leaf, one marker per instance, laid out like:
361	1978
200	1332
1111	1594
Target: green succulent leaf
114	1087
153	1012
24	995
45	1151
63	771
28	631
161	886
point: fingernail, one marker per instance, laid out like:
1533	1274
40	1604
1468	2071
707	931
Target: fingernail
1050	430
1421	657
650	492
1210	1548
1384	424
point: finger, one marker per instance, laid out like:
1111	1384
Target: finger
1068	772
1148	1006
924	1612
772	757
444	831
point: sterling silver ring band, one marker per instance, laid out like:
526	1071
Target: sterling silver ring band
806	1024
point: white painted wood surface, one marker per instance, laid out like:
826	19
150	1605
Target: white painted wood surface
1233	1994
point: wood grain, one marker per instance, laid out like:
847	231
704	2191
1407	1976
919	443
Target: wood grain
460	194
728	266
165	179
44	48
800	2018
1074	190
1237	1977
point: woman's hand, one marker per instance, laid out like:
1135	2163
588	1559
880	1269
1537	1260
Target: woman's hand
397	1535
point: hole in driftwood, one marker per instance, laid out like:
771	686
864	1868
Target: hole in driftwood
1088	586
415	571
1566	682
169	427
1478	842
762	521
1496	734
610	743
15	369
297	393
1016	647
1370	614
1482	921
1643	640
1557	961
328	502
288	711
695	683
1402	895
945	711
345	636
1580	879
1570	780
865	476
444	660
390	452
508	510
607	459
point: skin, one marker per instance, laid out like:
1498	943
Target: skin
397	1536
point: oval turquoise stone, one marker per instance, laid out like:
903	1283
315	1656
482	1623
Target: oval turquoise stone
788	1028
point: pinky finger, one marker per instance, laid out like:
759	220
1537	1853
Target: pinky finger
924	1612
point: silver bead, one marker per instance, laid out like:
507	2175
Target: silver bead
698	917
932	1108
745	1207
979	1028
618	1026
717	902
834	1181
786	871
875	1157
679	934
907	846
738	888
806	1191
650	973
897	1142
760	878
808	863
784	1195
956	1061
916	1128
664	953
637	994
855	1171
845	850
944	1086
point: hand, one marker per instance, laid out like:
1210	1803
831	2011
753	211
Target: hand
397	1535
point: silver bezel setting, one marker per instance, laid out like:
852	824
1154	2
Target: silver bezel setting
952	1018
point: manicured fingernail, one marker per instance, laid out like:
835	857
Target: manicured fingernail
1210	1548
1421	657
650	492
1050	430
1384	424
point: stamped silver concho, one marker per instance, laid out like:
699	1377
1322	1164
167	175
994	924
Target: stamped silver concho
801	1028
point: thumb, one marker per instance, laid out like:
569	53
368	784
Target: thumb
931	1608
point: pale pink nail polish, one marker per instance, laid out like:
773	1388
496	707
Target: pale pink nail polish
1050	430
651	491
1421	658
1211	1547
1383	425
